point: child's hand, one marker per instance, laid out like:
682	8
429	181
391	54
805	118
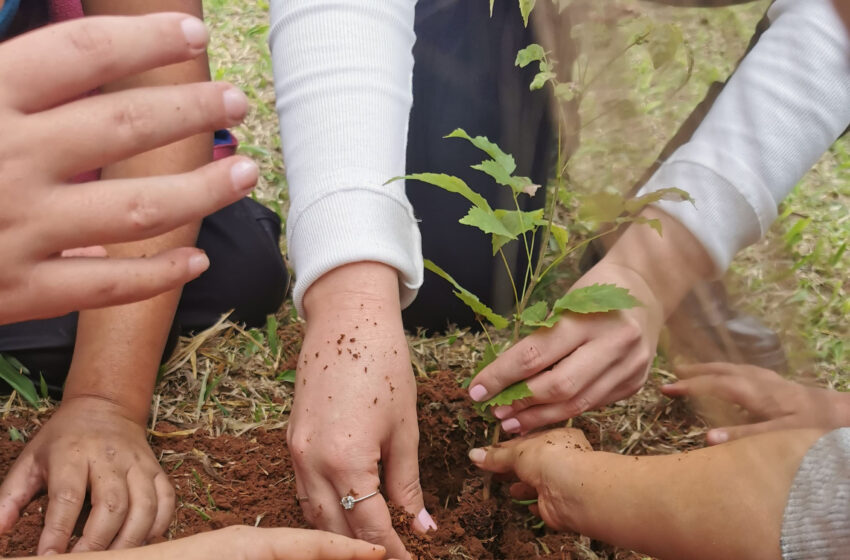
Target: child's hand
89	443
771	401
53	134
543	464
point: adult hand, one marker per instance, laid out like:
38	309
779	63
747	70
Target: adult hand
355	406
583	362
58	135
543	464
771	401
89	443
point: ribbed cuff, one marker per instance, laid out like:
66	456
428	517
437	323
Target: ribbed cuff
351	225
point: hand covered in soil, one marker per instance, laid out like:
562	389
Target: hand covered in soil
89	444
771	401
355	406
55	134
542	463
583	362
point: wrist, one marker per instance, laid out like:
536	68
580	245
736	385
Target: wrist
354	288
99	406
841	409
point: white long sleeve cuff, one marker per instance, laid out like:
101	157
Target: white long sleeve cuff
343	72
781	110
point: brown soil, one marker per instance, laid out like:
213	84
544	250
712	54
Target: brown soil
227	480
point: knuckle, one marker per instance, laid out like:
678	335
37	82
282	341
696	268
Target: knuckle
409	493
299	444
531	359
135	120
93	543
564	389
90	40
371	533
68	497
144	214
113	503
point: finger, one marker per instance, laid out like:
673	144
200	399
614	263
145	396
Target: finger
731	433
110	501
501	459
95	131
370	520
566	379
322	508
66	491
718	368
736	390
61	62
22	483
401	477
141	513
528	357
299	544
60	286
120	211
165	502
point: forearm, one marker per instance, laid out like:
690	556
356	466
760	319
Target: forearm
721	502
118	349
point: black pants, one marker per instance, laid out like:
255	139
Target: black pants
246	274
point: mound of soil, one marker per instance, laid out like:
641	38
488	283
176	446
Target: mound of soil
226	480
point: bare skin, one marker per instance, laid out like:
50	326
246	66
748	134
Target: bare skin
721	502
132	499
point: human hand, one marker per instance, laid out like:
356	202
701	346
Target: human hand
89	443
583	362
57	135
355	406
543	464
769	400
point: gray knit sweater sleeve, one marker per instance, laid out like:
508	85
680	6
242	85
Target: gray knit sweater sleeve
816	524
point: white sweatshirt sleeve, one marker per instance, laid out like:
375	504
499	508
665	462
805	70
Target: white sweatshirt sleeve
343	72
781	110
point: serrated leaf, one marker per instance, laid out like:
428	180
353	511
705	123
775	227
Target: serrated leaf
287	376
531	53
12	372
598	298
516	223
491	352
635	205
525	7
600	207
486	222
664	43
535	313
513	393
501	175
561	237
467	297
567	92
540	80
449	183
490	148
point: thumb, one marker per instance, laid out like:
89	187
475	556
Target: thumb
500	459
21	485
401	477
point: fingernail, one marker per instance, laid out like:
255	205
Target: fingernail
478	393
718	436
235	104
501	412
244	175
511	425
196	33
477	455
426	521
198	263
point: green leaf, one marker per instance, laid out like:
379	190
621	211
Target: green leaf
449	183
271	335
491	7
525	7
501	175
635	205
540	80
531	53
516	223
513	393
524	502
535	313
45	392
567	92
561	236
486	222
602	206
490	148
491	352
664	43
598	298
12	372
467	297
287	376
15	434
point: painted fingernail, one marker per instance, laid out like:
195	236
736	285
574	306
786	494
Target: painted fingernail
477	455
235	104
478	393
196	33
502	412
426	521
511	425
718	436
198	263
244	175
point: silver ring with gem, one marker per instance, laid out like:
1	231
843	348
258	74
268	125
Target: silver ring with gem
348	502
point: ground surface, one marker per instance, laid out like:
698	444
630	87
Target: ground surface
221	408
